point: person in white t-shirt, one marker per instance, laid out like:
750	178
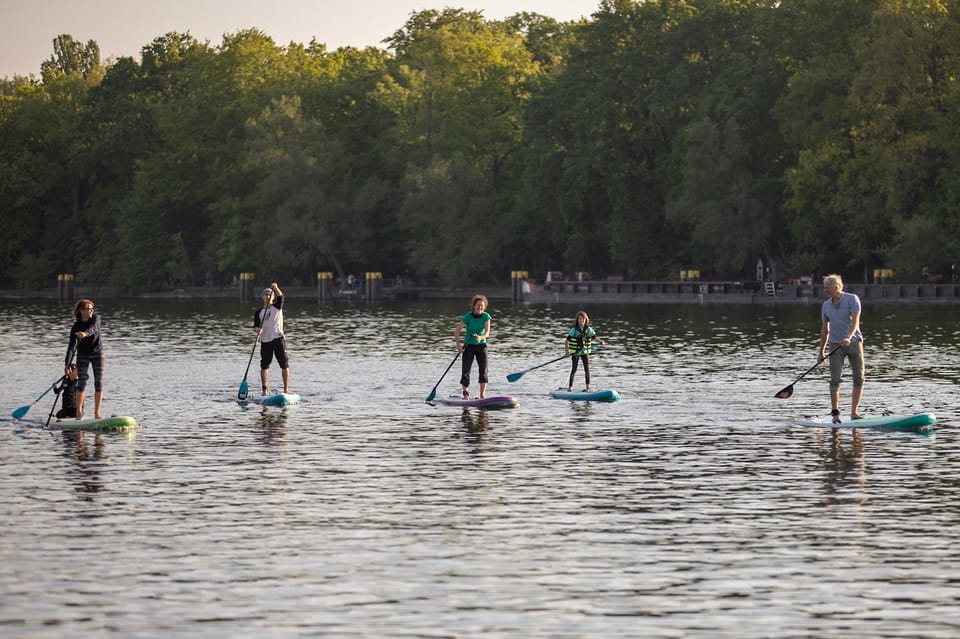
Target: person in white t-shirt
268	321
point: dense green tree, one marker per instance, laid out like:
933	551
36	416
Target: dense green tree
20	119
72	58
299	219
876	151
196	166
48	172
613	129
339	97
655	136
919	246
817	47
457	89
897	101
165	199
946	206
718	207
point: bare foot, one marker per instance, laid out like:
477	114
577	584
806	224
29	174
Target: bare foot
856	416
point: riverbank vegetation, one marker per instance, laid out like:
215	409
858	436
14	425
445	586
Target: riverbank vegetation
651	137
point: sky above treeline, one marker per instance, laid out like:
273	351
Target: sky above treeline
124	27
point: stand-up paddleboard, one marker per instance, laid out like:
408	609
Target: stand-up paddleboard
502	401
608	395
277	399
112	424
917	421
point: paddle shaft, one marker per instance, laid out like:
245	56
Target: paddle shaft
242	393
56	398
20	412
433	393
62	382
512	377
817	364
515	376
788	390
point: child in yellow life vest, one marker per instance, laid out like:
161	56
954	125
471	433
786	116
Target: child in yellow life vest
579	342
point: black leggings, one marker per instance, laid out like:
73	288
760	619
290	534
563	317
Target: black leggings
586	368
83	374
471	351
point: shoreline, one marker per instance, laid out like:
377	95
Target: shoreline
595	292
738	293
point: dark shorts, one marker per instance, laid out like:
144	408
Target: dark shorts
268	350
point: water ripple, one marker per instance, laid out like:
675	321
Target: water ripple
692	507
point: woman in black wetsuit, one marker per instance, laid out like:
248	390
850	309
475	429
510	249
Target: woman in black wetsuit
85	338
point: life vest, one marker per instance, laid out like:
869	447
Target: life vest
578	340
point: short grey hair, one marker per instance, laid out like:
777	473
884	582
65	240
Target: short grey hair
834	279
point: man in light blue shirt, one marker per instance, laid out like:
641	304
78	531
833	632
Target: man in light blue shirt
840	330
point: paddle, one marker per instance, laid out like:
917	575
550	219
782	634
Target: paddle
787	391
56	398
20	412
244	389
433	393
512	377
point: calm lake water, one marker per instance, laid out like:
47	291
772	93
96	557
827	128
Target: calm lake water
691	508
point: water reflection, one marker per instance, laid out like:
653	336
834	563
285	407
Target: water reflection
272	426
843	465
583	412
477	429
88	450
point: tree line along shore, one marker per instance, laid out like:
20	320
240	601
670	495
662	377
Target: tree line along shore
531	291
822	136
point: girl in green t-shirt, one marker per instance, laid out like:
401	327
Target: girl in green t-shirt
476	328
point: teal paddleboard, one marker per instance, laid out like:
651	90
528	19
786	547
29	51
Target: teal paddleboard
277	399
916	421
608	395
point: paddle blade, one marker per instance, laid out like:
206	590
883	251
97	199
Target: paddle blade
20	412
244	390
785	393
512	377
433	393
